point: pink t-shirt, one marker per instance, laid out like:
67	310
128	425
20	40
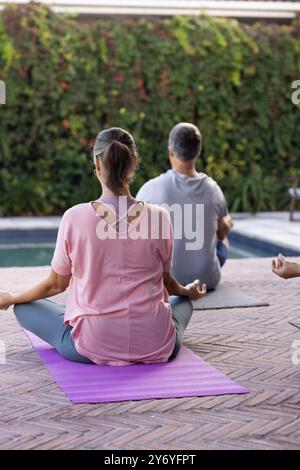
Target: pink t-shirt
117	304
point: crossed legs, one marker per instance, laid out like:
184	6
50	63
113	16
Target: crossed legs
45	319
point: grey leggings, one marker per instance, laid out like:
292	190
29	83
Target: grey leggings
45	319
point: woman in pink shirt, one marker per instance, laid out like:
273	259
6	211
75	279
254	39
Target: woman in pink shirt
114	254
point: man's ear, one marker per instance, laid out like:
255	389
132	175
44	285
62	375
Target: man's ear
171	155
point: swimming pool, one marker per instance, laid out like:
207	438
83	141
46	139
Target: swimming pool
41	255
34	252
26	254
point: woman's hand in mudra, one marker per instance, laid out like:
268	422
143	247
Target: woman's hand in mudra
6	300
284	268
195	290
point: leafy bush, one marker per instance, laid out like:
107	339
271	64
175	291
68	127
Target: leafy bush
65	81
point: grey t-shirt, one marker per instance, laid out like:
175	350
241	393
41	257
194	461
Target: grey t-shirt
202	204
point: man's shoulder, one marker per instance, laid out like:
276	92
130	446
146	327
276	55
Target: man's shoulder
214	192
210	183
154	189
158	179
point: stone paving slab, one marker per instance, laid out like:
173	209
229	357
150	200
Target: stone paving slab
253	346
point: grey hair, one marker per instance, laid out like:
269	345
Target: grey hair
105	138
99	148
185	141
119	157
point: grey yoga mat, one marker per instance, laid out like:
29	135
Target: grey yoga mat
227	297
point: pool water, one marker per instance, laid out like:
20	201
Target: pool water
240	250
40	254
26	254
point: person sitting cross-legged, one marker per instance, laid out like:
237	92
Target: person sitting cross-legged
182	187
118	310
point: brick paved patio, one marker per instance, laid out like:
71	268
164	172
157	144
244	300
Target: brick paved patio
252	346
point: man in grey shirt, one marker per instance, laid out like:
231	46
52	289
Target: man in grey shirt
197	207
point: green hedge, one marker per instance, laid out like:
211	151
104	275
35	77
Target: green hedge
65	81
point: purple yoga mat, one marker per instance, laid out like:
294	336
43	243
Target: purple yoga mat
186	376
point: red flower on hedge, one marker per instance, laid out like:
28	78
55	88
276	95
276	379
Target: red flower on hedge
66	124
164	82
64	85
141	87
140	83
119	78
105	34
24	72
